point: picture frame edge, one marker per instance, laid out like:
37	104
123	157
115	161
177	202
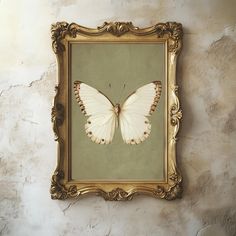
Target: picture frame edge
61	188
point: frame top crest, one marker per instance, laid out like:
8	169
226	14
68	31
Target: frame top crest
171	30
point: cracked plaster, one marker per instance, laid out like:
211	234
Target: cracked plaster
206	72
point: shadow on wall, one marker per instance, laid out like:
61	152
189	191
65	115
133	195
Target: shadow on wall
188	118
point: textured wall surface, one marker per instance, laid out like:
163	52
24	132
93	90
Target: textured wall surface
207	149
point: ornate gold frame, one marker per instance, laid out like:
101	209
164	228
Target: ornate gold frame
171	34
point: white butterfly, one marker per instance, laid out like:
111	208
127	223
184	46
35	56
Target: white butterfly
104	117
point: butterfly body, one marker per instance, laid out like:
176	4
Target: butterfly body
104	117
117	109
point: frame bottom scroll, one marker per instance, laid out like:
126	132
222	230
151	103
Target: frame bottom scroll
60	192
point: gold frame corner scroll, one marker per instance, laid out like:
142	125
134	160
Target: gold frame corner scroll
62	187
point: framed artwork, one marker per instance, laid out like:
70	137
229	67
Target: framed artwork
116	111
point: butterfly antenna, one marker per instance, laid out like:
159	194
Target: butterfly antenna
122	93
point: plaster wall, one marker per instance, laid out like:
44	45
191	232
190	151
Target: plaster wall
206	148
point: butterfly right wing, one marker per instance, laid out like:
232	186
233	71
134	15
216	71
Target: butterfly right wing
134	123
102	120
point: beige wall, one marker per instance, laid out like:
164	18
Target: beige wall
207	149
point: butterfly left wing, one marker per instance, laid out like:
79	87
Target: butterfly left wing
134	124
101	122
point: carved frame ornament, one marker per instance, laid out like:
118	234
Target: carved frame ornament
171	34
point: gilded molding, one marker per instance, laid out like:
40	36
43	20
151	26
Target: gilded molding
61	187
175	111
58	32
60	192
57	114
171	30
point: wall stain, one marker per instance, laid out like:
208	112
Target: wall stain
226	217
230	123
204	185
